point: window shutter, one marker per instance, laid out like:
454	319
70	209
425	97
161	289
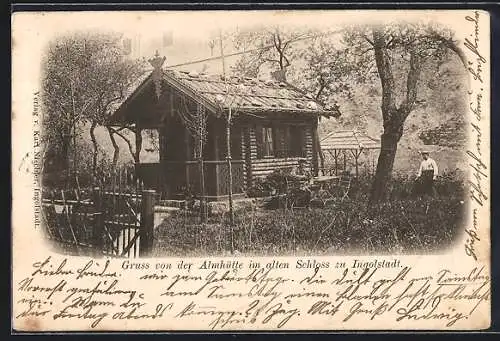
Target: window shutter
269	142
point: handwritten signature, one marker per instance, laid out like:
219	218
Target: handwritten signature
263	298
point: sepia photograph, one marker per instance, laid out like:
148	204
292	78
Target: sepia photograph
265	139
251	170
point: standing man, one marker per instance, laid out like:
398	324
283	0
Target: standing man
427	174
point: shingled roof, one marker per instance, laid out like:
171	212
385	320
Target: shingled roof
246	94
348	139
250	93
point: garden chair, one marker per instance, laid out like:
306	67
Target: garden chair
298	191
344	185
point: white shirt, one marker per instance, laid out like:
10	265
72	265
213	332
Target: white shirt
428	164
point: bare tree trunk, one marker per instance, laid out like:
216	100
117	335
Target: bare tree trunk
228	149
116	152
75	151
389	145
203	201
229	169
64	157
96	147
393	116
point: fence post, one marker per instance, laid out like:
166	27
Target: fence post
98	228
147	223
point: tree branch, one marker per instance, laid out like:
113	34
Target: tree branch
450	44
116	152
368	40
127	141
385	73
271	60
411	84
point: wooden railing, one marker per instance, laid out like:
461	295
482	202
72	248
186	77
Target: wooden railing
106	223
182	178
264	167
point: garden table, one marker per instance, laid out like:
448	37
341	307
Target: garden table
325	181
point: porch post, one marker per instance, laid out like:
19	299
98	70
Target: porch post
138	144
217	158
317	151
147	223
356	153
188	156
244	156
162	176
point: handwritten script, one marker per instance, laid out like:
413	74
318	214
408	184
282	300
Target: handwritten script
478	155
225	294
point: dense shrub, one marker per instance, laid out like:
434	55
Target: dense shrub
260	187
278	182
450	183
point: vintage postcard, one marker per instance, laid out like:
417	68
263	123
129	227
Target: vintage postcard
251	170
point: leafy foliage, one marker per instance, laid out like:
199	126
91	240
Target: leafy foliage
327	69
85	73
272	47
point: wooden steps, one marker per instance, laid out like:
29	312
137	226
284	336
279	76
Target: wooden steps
173	203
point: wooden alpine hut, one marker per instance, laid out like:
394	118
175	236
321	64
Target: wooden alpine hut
270	125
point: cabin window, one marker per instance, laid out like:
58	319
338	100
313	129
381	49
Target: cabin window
267	143
280	141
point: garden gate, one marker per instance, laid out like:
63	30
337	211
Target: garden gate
124	225
111	222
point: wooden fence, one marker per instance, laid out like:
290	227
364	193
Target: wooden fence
102	222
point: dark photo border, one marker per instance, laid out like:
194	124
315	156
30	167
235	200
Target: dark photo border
494	11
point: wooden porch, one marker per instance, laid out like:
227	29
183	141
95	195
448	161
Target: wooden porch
181	179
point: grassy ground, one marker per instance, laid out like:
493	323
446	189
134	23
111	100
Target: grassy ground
399	226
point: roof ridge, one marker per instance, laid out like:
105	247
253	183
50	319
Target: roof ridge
261	94
267	82
355	133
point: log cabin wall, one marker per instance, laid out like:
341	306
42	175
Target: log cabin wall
244	157
259	166
308	147
251	153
